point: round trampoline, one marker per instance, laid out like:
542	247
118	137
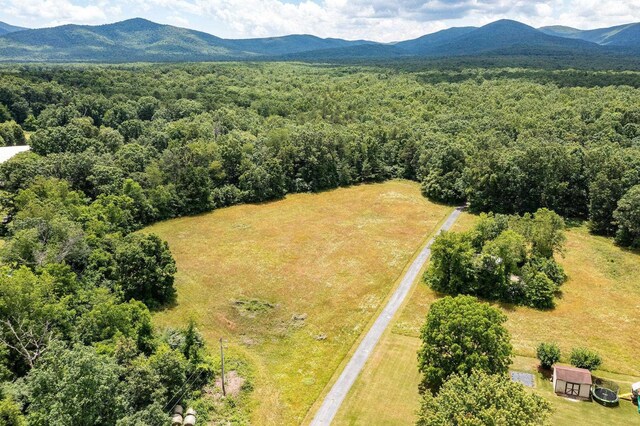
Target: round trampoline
605	392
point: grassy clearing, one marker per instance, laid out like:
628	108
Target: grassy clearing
292	284
599	304
387	390
566	411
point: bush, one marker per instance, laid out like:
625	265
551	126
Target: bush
585	358
10	414
539	290
550	268
548	354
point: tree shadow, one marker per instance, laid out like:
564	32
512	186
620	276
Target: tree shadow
546	373
572	223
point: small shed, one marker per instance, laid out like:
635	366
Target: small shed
572	382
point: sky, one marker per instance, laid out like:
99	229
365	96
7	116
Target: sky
350	19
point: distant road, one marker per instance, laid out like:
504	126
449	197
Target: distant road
6	152
338	392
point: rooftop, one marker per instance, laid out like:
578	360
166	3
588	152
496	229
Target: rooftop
572	374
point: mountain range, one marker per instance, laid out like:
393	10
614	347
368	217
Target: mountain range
142	40
6	28
621	35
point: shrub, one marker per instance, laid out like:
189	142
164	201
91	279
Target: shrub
548	354
585	358
10	414
550	268
539	290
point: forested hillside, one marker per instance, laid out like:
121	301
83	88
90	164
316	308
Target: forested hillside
116	148
145	41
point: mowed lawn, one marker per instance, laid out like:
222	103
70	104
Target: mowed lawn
599	308
292	284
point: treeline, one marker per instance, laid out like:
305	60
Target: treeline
559	77
116	148
207	136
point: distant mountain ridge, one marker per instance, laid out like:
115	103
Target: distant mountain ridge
502	36
627	35
142	40
6	28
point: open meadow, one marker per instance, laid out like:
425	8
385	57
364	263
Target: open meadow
598	309
292	284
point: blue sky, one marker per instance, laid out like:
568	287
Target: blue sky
351	19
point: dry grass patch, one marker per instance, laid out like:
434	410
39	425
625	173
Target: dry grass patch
292	284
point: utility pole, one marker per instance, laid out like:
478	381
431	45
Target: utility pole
224	392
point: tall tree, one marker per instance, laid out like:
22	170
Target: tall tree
482	399
461	335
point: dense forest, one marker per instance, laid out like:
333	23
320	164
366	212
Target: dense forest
116	148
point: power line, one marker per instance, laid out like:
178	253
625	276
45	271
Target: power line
181	387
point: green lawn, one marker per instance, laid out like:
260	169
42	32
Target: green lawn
292	284
599	308
387	390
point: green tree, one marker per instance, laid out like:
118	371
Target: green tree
539	289
451	268
20	171
510	247
548	354
488	227
460	335
170	366
32	313
59	139
443	174
66	385
12	133
103	318
613	176
627	217
10	413
263	182
546	233
147	106
482	399
40	241
145	269
142	386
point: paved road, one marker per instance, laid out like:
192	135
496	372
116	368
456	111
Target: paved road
338	392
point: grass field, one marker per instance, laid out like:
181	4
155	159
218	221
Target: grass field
292	284
599	308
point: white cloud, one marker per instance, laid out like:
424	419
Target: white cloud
381	20
177	20
384	20
56	12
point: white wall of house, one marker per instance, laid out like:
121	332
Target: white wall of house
560	387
